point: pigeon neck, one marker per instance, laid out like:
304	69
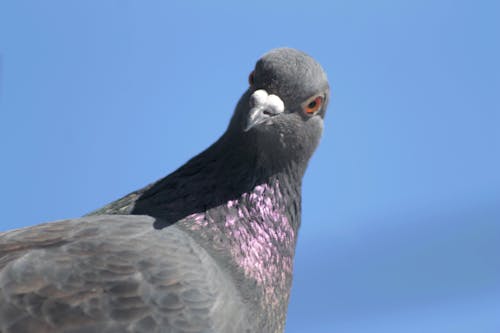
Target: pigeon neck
263	158
256	226
240	208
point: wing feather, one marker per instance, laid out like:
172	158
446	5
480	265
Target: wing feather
112	273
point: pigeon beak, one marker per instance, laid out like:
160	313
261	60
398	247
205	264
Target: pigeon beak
256	115
262	108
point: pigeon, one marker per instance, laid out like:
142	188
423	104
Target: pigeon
207	249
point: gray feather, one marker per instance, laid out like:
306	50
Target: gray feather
112	273
207	249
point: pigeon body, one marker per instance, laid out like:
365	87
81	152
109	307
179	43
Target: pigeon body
209	248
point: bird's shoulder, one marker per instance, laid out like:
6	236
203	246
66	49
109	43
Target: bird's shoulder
112	273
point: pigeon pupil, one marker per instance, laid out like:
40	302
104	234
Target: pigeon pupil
314	105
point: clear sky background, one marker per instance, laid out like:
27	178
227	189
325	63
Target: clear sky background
401	202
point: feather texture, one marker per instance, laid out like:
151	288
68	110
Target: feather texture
206	249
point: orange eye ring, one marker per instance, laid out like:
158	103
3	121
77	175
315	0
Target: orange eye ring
251	78
311	106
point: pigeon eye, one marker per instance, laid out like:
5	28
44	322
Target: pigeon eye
311	106
251	78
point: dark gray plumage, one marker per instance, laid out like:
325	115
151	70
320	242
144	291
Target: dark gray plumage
209	248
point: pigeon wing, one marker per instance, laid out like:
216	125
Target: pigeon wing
112	273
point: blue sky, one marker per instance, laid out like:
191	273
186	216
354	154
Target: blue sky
401	213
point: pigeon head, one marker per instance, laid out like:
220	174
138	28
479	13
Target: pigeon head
281	114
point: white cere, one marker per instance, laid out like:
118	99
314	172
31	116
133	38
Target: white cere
260	98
